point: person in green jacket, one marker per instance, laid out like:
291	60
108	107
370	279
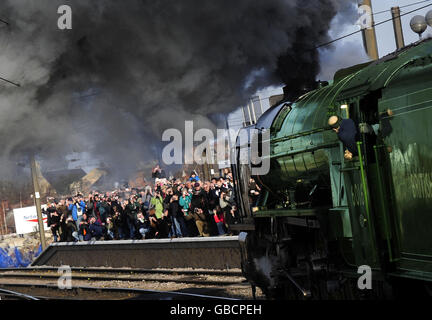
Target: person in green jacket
157	203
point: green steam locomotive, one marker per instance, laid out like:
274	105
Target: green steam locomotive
324	227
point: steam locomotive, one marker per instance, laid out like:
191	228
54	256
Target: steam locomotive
321	222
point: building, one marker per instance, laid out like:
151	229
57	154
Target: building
258	104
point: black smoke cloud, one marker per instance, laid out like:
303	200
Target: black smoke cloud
130	69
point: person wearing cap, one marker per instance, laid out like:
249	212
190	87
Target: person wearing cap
347	133
254	192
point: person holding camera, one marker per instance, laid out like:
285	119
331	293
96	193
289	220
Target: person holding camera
131	215
157	203
158	174
228	206
212	200
143	225
160	213
53	221
199	208
76	208
83	230
219	218
185	201
71	233
117	222
146	198
96	229
178	227
62	210
254	192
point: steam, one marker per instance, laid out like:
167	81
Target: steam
343	56
344	53
130	69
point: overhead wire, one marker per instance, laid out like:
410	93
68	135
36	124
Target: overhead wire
405	6
374	25
1	78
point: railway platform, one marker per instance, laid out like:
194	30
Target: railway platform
198	252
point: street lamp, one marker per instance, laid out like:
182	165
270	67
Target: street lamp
418	24
429	18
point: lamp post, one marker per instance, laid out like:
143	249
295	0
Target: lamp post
418	24
429	18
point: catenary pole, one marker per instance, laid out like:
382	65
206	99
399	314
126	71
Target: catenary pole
397	27
38	202
369	35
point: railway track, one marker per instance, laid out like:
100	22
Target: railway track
52	292
197	277
118	284
129	270
14	295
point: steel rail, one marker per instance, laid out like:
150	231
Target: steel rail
113	289
97	274
18	294
227	273
90	277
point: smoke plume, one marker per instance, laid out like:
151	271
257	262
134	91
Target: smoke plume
130	69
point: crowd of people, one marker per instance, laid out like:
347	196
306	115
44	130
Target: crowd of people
164	209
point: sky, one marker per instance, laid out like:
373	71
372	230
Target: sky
349	51
384	32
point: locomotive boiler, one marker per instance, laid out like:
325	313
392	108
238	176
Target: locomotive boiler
322	222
